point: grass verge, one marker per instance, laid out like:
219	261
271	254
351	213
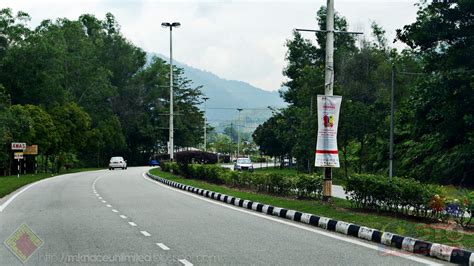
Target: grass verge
8	184
340	209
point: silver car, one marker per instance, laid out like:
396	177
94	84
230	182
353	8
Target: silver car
243	164
117	162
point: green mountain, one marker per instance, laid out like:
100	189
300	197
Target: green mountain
226	96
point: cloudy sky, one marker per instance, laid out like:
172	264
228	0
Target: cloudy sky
241	40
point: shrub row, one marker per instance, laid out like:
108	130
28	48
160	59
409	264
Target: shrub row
407	196
302	185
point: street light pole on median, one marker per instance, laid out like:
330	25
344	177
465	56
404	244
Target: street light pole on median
205	122
238	134
171	128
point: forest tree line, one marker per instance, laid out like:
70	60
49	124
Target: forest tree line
83	93
434	79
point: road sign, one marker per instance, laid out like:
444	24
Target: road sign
31	150
18	155
18	146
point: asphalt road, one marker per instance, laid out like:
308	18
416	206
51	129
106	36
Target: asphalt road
142	222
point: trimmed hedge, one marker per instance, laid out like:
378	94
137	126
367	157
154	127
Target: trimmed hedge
399	195
302	186
408	197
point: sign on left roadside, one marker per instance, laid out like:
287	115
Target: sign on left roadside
18	155
18	146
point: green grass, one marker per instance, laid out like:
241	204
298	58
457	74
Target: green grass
8	184
340	209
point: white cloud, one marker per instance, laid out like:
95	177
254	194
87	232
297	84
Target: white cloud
242	40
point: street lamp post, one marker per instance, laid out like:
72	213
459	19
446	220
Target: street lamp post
171	128
238	134
205	122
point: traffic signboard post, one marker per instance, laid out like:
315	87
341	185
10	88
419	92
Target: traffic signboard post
18	156
18	146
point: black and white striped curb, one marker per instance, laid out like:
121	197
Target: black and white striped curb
408	244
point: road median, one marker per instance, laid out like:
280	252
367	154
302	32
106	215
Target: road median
407	244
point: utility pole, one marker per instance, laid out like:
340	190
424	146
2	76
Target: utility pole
205	123
238	134
392	113
171	129
329	84
329	78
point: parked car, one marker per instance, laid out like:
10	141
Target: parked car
243	164
117	162
153	162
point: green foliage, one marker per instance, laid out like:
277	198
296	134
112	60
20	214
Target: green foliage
399	195
302	186
79	88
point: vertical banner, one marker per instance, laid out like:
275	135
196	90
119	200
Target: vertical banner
328	119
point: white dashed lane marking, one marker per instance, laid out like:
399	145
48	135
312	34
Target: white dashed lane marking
145	233
109	206
185	262
114	210
123	216
132	223
162	246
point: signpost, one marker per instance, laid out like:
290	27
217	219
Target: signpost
18	146
18	156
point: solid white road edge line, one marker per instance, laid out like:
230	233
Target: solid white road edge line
314	230
9	200
185	262
162	246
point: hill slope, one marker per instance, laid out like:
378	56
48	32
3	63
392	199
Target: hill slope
225	96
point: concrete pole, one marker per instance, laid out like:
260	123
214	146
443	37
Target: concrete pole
392	113
329	84
171	133
238	134
205	123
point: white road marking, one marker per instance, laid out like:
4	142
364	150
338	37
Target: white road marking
123	216
114	210
185	262
100	198
162	246
103	201
132	223
145	233
109	206
300	226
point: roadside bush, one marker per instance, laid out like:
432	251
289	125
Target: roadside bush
399	195
303	186
309	186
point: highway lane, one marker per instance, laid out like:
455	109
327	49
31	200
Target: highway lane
120	215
